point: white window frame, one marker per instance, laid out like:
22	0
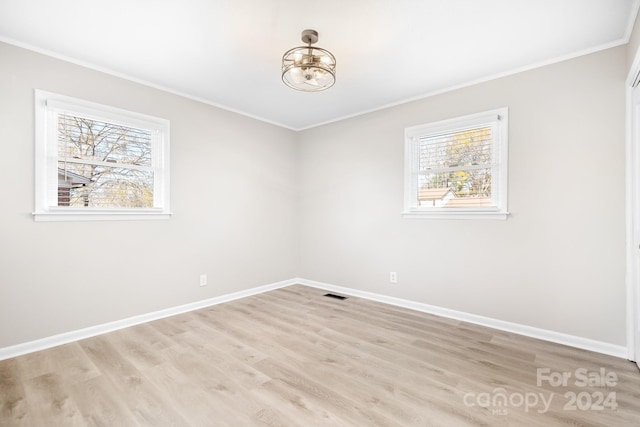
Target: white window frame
47	106
498	119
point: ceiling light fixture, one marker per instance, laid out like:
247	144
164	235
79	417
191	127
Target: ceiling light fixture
308	68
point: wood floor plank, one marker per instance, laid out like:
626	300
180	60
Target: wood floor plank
13	403
208	400
297	407
49	402
334	402
68	361
100	406
292	357
146	403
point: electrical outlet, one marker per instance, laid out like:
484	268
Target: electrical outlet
393	277
203	280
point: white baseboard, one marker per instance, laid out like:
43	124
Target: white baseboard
543	334
529	331
67	337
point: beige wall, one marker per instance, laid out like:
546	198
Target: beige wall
232	194
557	263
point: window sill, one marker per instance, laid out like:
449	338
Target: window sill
450	214
99	216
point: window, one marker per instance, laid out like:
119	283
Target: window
95	162
457	168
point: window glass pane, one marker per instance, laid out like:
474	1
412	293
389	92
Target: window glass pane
85	185
458	149
94	140
460	188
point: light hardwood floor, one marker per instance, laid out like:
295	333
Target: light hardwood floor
292	357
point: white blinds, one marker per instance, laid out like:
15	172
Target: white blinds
102	164
460	161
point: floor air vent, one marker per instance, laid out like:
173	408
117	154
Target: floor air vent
340	297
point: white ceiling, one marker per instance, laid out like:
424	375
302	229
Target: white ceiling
228	52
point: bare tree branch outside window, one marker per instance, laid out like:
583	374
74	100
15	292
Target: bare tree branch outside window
114	159
460	161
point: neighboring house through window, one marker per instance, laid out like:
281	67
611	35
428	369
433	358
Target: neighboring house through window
98	162
68	185
457	168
